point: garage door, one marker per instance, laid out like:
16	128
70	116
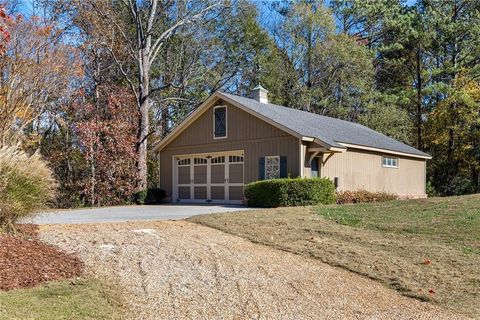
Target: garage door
215	177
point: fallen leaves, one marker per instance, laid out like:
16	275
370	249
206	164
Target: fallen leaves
26	262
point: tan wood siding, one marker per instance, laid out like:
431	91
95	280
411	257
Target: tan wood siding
241	126
244	132
363	170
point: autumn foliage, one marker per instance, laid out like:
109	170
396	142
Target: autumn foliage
454	133
4	34
37	71
363	196
107	132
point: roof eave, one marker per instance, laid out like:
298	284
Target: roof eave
205	105
328	146
185	123
260	116
387	151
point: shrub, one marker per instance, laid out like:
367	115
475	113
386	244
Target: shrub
363	196
290	192
431	190
149	196
460	184
26	185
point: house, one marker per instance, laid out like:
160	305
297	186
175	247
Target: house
231	140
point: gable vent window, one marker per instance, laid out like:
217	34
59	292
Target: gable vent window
390	162
220	122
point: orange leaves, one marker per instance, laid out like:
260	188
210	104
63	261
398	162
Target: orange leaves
4	34
430	291
38	70
427	262
107	133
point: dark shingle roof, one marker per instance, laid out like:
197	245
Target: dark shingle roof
329	130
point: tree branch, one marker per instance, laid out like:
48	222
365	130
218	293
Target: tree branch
168	33
125	74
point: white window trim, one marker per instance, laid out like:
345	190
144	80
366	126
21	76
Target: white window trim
265	166
226	123
388	166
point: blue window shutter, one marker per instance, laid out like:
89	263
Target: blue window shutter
261	168
314	167
283	167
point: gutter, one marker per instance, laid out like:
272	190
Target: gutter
387	151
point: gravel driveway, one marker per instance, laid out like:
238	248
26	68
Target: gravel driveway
180	270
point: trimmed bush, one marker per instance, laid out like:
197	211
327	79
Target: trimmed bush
26	185
149	196
290	192
363	196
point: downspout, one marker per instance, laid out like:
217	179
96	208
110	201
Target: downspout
302	158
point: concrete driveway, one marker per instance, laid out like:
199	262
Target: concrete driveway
131	213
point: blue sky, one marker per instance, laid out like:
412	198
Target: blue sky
27	5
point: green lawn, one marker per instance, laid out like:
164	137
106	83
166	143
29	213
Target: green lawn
74	299
453	220
428	249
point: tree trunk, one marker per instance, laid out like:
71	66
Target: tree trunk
142	145
144	108
92	178
419	99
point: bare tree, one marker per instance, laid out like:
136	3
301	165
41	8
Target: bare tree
155	22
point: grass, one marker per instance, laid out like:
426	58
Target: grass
74	299
427	249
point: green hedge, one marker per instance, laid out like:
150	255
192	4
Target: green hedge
149	196
290	192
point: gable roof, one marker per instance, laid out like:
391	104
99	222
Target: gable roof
329	130
333	132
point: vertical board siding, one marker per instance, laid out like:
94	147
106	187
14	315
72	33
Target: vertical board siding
240	126
363	170
244	132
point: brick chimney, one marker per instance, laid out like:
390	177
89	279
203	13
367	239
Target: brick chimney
260	94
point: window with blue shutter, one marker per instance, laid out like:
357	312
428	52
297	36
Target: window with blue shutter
261	168
272	167
314	168
283	167
220	122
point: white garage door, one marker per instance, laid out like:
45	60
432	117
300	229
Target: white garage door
216	177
